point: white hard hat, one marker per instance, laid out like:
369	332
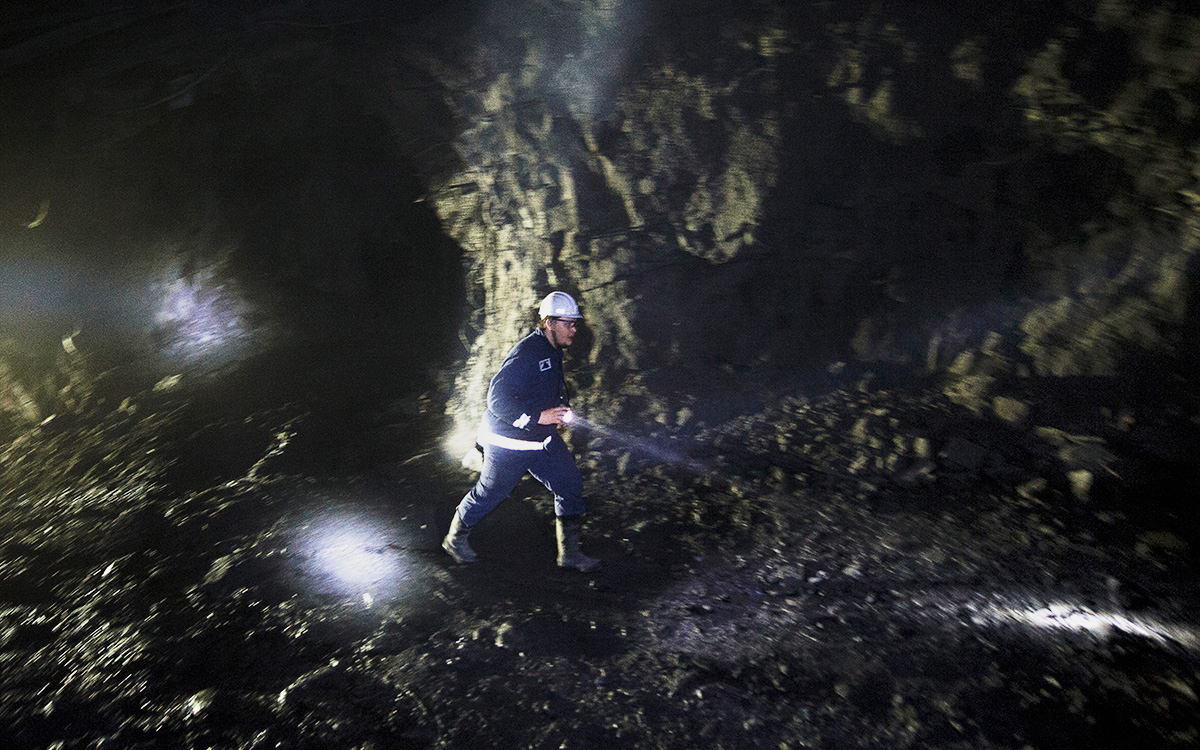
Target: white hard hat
559	305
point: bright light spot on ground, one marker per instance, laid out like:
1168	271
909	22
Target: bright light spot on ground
352	554
1072	617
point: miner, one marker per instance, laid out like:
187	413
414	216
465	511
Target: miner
527	402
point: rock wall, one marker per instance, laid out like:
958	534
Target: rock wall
743	197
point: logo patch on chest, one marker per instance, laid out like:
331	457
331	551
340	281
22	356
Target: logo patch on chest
544	365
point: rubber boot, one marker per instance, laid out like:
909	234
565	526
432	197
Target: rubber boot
569	556
456	544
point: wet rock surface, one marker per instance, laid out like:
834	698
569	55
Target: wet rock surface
871	567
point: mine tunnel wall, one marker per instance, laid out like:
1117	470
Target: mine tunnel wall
768	191
741	198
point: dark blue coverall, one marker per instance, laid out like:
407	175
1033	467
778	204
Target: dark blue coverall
530	381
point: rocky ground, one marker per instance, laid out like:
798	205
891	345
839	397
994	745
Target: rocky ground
873	567
1000	552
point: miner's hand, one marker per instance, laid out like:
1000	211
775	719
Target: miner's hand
553	416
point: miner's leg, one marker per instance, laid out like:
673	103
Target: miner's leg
502	469
556	469
567	530
456	544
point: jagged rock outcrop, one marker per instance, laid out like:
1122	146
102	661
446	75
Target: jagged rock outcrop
606	173
741	197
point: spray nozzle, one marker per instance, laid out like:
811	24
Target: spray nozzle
568	417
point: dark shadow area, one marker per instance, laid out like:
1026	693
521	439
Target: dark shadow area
223	195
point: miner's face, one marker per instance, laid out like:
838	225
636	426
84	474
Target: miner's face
561	332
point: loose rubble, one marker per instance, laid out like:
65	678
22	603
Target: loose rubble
872	567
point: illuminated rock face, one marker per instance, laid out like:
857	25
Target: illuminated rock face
741	197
